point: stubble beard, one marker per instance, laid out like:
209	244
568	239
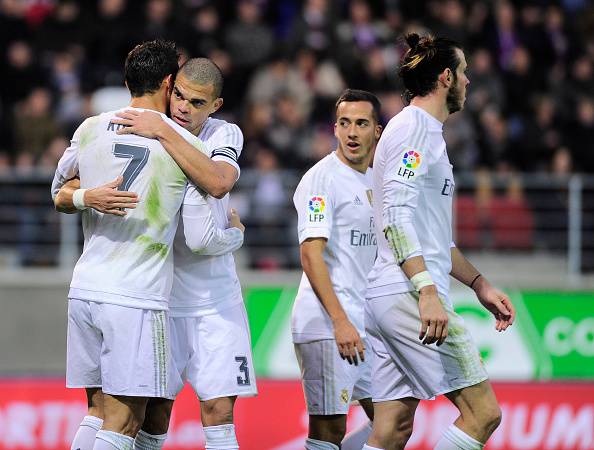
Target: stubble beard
454	99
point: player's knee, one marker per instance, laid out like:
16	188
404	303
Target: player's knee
156	419
327	428
218	411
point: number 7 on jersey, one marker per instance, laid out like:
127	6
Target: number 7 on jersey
138	156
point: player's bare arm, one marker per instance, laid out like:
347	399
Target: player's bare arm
347	338
497	302
106	198
215	177
434	319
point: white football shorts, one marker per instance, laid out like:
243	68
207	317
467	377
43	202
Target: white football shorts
122	350
330	382
213	353
403	366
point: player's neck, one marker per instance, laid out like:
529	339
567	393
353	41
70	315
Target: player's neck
154	102
360	167
433	104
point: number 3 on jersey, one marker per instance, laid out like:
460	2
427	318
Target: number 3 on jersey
243	368
138	156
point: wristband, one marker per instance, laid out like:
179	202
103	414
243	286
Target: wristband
421	279
78	199
475	278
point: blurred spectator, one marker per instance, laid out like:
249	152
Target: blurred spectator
539	137
65	79
313	28
324	81
581	136
486	87
62	29
34	125
19	74
449	19
280	77
106	56
207	31
248	41
161	22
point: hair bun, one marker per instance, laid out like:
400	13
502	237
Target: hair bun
412	39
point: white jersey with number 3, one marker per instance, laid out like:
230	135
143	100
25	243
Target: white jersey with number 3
413	186
333	201
125	260
205	284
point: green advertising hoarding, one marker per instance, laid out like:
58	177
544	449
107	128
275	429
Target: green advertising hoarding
553	337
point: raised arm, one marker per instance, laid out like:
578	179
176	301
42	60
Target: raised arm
491	298
214	177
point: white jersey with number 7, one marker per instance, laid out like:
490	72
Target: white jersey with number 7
125	260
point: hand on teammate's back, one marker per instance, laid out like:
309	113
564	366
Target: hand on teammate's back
235	220
434	319
348	341
142	123
497	303
107	199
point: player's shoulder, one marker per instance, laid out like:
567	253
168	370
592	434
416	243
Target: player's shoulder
220	130
321	174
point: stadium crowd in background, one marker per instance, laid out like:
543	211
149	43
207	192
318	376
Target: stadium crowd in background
530	106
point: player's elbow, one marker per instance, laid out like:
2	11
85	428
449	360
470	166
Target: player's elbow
221	187
61	205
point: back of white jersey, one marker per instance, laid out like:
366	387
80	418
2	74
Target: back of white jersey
333	202
125	260
204	284
412	182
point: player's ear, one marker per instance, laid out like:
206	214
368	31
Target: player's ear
445	77
378	131
217	105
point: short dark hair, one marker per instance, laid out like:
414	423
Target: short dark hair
427	57
148	64
357	95
203	71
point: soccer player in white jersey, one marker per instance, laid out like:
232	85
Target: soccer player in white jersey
210	334
117	324
338	245
408	307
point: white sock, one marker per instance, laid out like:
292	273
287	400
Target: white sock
356	438
314	444
85	435
110	440
369	447
221	437
145	441
456	439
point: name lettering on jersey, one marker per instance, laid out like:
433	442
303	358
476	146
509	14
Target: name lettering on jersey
115	126
360	239
411	160
315	208
448	188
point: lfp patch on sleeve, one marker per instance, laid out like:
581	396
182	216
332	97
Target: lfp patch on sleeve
315	208
411	161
